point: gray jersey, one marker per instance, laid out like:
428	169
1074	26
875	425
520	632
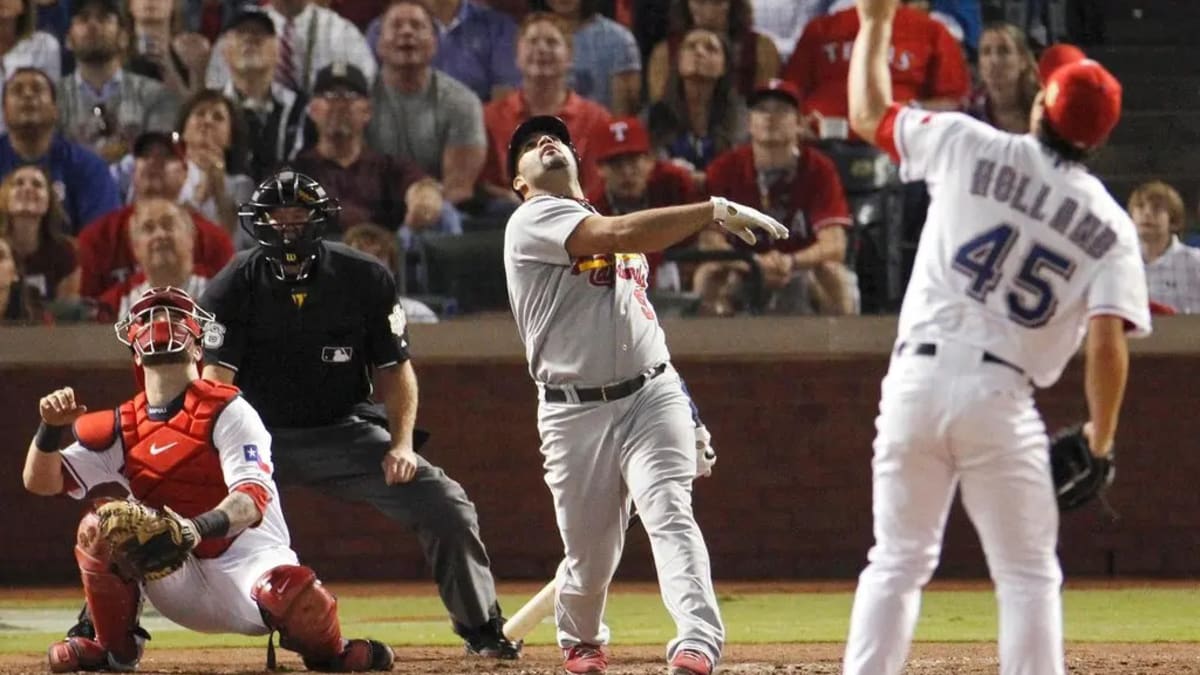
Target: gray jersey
586	321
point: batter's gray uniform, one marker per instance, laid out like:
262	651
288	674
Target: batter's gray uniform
587	323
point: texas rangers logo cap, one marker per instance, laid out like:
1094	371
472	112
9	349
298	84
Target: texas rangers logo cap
1083	102
622	136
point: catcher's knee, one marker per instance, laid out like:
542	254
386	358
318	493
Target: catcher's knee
91	550
293	602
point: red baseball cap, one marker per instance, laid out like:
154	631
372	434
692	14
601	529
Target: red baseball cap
1083	102
1057	56
778	88
622	136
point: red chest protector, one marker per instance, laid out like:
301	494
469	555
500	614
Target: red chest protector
174	462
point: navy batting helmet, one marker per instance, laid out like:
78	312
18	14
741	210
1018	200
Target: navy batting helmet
541	124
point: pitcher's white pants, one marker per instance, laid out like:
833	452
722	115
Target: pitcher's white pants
944	421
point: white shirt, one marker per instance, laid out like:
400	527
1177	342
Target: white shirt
1020	249
337	41
1174	277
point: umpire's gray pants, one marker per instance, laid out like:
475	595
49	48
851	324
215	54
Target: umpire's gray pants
343	460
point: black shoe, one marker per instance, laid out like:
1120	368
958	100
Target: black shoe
489	642
83	627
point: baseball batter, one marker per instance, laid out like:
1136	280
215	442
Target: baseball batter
615	422
1023	254
197	448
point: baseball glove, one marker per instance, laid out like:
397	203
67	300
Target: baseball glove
146	544
1079	476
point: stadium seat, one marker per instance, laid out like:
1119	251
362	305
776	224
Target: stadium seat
468	268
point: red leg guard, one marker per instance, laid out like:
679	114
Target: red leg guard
113	602
294	602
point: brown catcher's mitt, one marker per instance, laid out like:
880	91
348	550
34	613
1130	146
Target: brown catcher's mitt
147	544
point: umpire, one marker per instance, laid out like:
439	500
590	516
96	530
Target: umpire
309	326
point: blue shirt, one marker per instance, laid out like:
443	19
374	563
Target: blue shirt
603	48
477	48
81	179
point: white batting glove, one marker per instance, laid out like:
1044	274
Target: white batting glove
742	220
706	457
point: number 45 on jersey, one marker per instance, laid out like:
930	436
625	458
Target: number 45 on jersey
1030	298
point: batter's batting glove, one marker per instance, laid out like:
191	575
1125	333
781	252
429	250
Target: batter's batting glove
706	457
743	220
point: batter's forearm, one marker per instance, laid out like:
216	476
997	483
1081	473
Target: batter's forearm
640	231
1105	373
870	81
398	387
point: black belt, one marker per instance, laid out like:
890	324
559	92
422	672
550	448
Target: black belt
930	349
609	392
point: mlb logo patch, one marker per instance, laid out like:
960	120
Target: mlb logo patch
337	354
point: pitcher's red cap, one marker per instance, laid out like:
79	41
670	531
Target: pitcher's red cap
1057	56
622	136
1083	102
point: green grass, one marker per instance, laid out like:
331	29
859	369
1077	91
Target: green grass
1130	615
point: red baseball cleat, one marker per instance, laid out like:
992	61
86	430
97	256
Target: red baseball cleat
585	658
691	662
80	653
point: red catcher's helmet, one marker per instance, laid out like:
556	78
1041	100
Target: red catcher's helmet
164	321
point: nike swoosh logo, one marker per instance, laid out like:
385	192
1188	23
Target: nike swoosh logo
155	450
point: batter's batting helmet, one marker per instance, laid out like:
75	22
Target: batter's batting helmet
291	244
541	124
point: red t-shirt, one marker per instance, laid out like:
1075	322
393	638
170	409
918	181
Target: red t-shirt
582	117
809	200
106	257
926	61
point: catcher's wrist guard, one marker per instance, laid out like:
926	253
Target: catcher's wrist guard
48	438
213	523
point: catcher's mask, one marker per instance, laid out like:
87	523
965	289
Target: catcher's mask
537	126
164	322
287	215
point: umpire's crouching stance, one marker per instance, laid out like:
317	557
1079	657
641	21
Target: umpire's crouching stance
309	325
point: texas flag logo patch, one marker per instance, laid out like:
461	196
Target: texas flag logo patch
250	451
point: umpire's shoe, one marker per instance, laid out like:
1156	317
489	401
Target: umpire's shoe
358	656
489	642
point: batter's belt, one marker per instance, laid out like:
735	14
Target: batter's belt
609	392
931	349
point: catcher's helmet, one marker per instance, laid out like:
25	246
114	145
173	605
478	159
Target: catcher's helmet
291	247
163	322
541	124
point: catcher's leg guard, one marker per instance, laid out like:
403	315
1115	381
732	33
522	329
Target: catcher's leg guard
294	602
113	602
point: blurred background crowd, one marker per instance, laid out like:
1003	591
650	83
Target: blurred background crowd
133	129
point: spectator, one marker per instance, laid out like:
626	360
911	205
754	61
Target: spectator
163	239
311	37
80	177
274	114
799	187
475	46
105	106
371	187
635	180
607	66
784	20
22	45
700	114
376	241
31	219
18	301
214	138
421	114
1172	267
1009	79
163	49
927	67
753	59
544	57
159	171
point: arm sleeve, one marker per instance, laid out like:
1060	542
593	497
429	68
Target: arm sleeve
84	469
1119	288
225	344
541	227
387	324
243	445
917	139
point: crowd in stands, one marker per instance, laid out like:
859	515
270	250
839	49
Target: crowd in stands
134	129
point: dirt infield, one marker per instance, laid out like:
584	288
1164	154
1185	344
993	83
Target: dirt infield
927	659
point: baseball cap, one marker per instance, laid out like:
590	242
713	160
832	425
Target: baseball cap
1083	102
149	141
341	75
541	124
776	88
622	136
108	7
1057	56
250	12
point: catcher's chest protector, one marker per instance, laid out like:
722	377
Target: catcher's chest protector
173	462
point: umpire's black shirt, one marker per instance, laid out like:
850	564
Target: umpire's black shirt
303	351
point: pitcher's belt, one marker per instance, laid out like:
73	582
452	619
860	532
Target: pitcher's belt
931	349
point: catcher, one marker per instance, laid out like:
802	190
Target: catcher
202	535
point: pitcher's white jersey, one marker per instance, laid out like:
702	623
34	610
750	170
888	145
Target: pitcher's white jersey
1019	248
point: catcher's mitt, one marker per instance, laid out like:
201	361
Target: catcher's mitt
146	543
1079	476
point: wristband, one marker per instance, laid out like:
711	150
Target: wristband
213	523
48	438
